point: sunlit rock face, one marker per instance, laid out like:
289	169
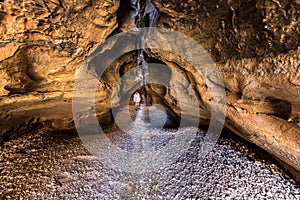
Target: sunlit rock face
255	45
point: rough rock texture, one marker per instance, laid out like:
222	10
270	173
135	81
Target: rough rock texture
255	43
256	47
42	43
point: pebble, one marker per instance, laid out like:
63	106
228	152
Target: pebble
46	165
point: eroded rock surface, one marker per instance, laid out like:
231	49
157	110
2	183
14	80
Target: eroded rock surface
42	43
255	44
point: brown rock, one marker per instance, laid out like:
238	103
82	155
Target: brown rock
255	44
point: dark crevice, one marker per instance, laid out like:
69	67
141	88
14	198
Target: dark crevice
127	14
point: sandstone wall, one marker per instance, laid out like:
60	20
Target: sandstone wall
255	44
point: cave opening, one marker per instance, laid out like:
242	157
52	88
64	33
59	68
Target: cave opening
156	90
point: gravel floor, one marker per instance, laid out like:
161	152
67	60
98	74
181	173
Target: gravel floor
46	165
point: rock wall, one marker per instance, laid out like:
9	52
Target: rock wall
256	47
255	43
42	43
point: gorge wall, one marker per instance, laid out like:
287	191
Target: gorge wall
255	45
